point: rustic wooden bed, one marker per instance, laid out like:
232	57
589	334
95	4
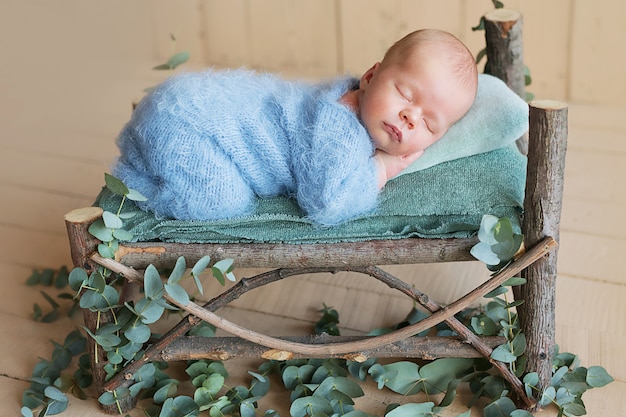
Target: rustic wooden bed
546	146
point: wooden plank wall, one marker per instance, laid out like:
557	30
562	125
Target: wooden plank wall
571	46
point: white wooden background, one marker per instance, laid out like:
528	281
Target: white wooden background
70	68
574	48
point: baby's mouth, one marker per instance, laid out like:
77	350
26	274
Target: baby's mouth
393	131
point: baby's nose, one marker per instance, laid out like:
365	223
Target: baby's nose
410	117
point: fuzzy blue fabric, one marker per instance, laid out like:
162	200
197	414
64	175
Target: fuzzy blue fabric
206	145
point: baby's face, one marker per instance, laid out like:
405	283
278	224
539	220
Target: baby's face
408	106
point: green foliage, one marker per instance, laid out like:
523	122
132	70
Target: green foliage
498	243
328	322
173	62
57	279
318	387
49	383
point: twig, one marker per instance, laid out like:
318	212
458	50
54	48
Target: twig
438	315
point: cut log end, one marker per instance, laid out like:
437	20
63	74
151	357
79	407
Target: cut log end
83	215
548	104
503	15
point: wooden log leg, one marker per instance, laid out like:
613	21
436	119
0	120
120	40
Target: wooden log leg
503	38
334	348
542	215
82	245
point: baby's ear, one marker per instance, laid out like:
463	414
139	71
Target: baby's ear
365	79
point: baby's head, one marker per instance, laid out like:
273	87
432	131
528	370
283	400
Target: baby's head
425	83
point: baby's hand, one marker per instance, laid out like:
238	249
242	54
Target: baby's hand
391	165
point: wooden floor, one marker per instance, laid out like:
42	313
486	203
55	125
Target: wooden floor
59	118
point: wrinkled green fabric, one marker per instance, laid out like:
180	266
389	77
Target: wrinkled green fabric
443	201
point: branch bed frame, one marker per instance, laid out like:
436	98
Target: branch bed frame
546	145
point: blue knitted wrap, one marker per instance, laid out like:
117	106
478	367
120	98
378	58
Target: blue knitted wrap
204	146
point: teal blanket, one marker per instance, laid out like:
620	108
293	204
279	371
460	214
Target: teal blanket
443	201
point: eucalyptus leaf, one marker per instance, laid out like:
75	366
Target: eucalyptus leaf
112	221
519	344
34	278
503	230
153	286
54	393
575	409
482	251
598	377
412	410
496	292
178	293
100	231
166	391
407	381
50	300
135	195
77	278
487	230
179	406
203	329
502	407
259	387
46	277
123	235
150	311
310	406
178	272
107	340
106	251
114	357
436	375
115	185
563	396
224	265
450	393
62	277
503	354
338	398
484	325
201	265
178	59
128	215
505	250
247	408
341	384
56	407
75	342
549	395
97	282
531	380
214	383
138	332
198	283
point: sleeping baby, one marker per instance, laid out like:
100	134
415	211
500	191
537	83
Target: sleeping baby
206	145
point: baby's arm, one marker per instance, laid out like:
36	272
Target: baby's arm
391	165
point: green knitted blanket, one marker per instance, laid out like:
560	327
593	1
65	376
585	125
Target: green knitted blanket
443	201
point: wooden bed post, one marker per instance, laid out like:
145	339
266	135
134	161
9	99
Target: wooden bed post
542	215
82	246
505	54
505	50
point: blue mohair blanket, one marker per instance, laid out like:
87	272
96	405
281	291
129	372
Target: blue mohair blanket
444	201
205	145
